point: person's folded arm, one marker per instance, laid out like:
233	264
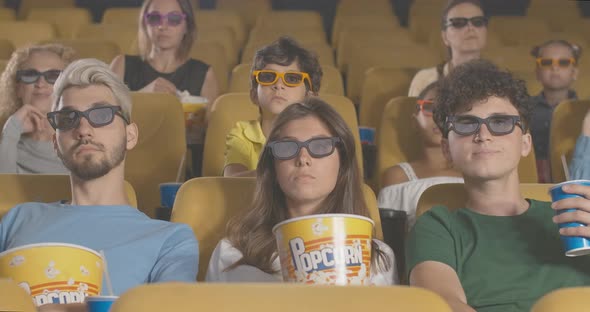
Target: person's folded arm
431	257
443	280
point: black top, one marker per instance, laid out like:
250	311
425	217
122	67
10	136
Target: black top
189	76
541	123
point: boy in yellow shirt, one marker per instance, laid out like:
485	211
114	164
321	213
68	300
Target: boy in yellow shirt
282	73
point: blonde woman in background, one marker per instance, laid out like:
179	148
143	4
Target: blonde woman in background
26	87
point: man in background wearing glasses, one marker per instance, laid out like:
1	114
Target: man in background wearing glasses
501	252
91	116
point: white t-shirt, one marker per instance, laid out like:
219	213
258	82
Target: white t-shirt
225	255
425	77
405	196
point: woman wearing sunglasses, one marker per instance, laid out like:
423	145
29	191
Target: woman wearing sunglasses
25	98
166	34
464	33
282	73
404	183
556	70
307	167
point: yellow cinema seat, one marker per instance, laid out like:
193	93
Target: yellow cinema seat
572	299
290	19
21	188
27	5
14	298
250	297
381	85
65	20
25	33
6	49
124	35
7	15
210	19
160	152
249	10
121	16
207	204
103	50
566	126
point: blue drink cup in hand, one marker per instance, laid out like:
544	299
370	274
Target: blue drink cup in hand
100	303
573	245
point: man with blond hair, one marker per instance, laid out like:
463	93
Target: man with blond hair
91	115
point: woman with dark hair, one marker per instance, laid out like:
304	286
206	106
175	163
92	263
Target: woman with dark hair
166	34
464	33
319	176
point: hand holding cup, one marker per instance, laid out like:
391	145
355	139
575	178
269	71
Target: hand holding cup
571	201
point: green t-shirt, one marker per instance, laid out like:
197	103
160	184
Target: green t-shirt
504	263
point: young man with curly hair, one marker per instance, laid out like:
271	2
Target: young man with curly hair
501	252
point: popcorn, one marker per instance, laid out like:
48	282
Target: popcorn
51	272
318	228
16	261
25	286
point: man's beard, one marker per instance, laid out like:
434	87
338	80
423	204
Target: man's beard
86	169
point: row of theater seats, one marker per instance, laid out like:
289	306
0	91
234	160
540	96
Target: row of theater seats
193	207
288	298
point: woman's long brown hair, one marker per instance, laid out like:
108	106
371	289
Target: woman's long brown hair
251	232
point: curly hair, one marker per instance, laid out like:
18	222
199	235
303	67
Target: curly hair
476	81
9	102
284	52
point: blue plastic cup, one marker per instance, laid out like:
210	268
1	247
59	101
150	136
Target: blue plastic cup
168	193
100	303
367	135
573	245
